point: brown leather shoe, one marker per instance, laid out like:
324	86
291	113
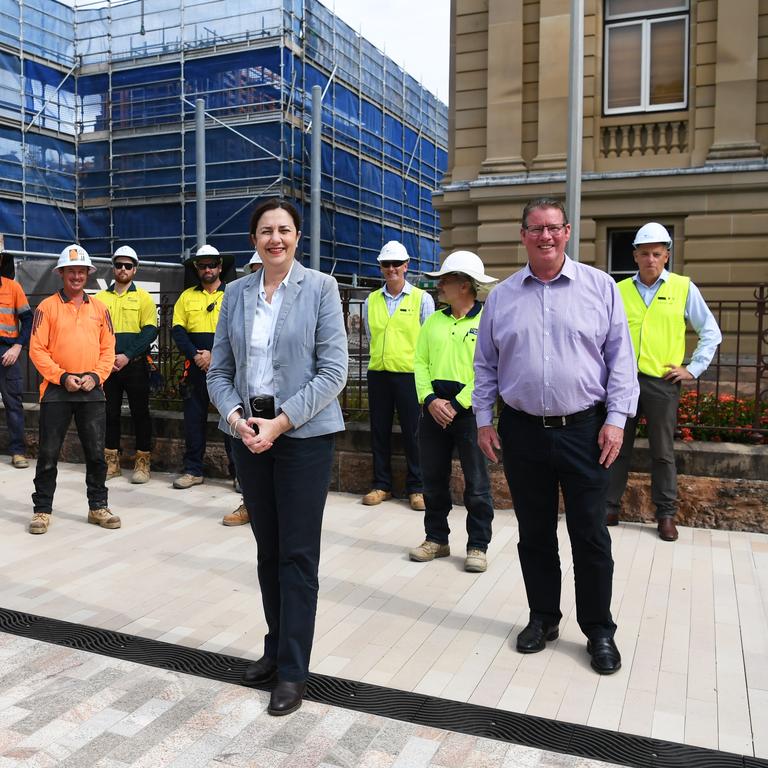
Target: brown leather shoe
667	529
612	518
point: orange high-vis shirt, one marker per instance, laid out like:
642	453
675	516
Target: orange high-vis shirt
67	338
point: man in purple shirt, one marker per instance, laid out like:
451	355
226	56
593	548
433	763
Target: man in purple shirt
554	344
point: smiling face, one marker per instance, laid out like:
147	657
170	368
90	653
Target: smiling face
73	279
276	239
651	258
545	247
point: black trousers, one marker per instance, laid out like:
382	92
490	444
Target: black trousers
195	403
436	446
538	461
55	418
284	491
133	379
388	391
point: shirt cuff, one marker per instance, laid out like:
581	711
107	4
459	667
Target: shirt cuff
235	410
428	399
616	419
695	370
484	417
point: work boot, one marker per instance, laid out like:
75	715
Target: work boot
187	481
40	522
19	461
103	517
417	501
113	463
476	561
141	467
238	517
429	550
376	496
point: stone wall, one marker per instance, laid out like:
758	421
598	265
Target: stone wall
720	485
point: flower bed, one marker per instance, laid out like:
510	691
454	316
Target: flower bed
718	418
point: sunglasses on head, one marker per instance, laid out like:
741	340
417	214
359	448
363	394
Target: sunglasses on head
391	264
123	265
207	265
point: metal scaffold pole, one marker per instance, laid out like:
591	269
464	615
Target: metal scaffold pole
317	132
576	112
200	170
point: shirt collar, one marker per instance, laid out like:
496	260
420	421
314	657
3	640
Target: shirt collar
568	270
131	287
63	296
476	307
199	287
407	288
283	282
663	277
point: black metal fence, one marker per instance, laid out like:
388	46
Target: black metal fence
730	402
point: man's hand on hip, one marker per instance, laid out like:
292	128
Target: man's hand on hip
678	373
609	441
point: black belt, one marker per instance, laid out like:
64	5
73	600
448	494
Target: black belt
262	407
553	422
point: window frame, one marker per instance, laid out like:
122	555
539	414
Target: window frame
646	23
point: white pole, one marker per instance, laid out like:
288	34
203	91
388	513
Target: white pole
575	129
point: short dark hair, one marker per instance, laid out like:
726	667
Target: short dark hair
543	202
271	205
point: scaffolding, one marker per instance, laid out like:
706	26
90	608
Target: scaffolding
97	122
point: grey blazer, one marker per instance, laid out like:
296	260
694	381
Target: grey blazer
309	353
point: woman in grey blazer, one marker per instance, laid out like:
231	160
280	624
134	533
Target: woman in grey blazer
278	364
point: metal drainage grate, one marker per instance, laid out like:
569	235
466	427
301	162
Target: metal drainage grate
537	732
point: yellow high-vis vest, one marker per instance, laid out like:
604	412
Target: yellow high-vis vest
657	331
393	339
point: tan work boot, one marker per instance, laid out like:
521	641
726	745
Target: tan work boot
417	501
113	463
40	522
238	517
103	517
187	481
19	461
376	496
475	561
429	550
141	467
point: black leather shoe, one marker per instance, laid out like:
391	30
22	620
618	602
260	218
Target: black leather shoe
606	658
259	672
667	529
534	637
286	698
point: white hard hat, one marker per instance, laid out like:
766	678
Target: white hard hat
652	233
467	263
75	256
393	251
255	259
206	250
128	252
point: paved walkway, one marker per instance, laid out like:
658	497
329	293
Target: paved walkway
692	623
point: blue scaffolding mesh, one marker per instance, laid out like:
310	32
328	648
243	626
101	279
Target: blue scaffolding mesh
112	144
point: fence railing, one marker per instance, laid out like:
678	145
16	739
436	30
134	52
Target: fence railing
730	402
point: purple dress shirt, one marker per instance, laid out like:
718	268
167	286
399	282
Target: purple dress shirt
555	348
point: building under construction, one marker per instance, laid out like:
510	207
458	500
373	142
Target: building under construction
97	128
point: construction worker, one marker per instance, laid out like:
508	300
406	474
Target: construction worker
73	349
134	318
393	316
240	515
195	316
658	304
15	328
445	380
